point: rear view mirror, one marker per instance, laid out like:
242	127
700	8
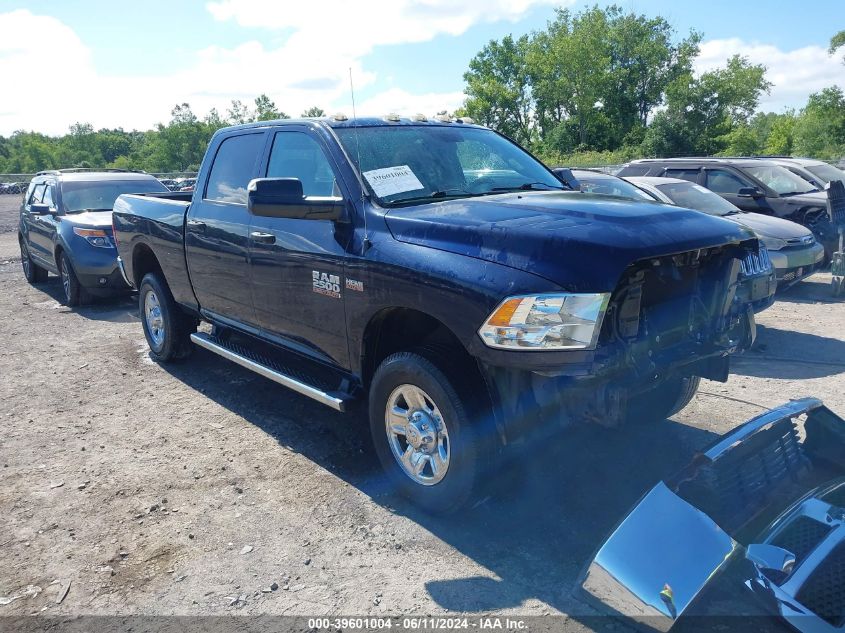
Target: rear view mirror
283	198
749	192
39	209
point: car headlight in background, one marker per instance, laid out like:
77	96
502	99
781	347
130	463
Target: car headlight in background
772	243
546	322
95	237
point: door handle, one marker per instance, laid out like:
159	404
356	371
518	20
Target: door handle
196	225
263	238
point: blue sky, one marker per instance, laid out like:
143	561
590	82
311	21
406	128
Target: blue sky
128	66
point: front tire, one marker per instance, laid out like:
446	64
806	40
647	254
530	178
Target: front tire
33	273
74	293
166	328
664	400
422	433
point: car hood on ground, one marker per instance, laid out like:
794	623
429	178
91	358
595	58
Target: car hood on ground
580	241
769	492
769	226
92	219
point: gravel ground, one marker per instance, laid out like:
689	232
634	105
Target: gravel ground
189	489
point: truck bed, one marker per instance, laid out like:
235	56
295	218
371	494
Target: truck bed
158	222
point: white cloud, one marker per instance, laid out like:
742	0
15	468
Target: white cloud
794	74
310	66
399	101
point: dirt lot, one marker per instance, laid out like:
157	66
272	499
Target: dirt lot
177	490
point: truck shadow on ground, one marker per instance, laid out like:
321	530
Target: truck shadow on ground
541	516
788	354
122	308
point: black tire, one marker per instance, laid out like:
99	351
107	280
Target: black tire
663	401
172	340
74	293
33	273
460	479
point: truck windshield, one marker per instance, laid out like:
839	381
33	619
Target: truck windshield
412	164
81	195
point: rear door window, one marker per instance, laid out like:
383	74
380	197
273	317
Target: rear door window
233	168
683	174
722	181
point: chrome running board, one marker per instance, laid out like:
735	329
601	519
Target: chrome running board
334	400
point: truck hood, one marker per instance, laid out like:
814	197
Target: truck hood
657	564
580	241
770	226
90	219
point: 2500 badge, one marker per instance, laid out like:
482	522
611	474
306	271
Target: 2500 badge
326	284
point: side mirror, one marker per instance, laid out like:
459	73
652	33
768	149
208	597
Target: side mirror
282	198
749	192
565	175
39	209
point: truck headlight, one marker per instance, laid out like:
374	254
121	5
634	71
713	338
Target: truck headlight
772	243
546	322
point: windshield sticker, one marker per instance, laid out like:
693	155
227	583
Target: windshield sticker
392	180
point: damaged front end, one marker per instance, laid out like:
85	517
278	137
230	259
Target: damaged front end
763	510
672	316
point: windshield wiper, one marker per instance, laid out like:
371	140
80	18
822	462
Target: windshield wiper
529	186
437	195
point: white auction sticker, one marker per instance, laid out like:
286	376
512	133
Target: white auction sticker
392	180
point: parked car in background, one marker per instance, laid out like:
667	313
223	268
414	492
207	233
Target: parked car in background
752	184
188	184
758	282
817	172
65	228
792	248
440	273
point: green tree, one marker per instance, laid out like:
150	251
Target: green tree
238	113
820	130
313	113
498	89
837	42
702	112
265	109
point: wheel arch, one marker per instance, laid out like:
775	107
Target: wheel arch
144	261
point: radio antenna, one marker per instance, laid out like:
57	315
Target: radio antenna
366	243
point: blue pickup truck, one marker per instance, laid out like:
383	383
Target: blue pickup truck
438	272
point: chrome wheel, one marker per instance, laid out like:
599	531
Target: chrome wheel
65	279
417	435
25	261
154	319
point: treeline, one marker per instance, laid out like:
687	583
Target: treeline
178	145
605	85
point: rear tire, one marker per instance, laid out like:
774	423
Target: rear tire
664	400
166	328
33	273
74	293
422	433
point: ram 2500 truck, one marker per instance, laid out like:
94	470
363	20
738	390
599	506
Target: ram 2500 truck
440	273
